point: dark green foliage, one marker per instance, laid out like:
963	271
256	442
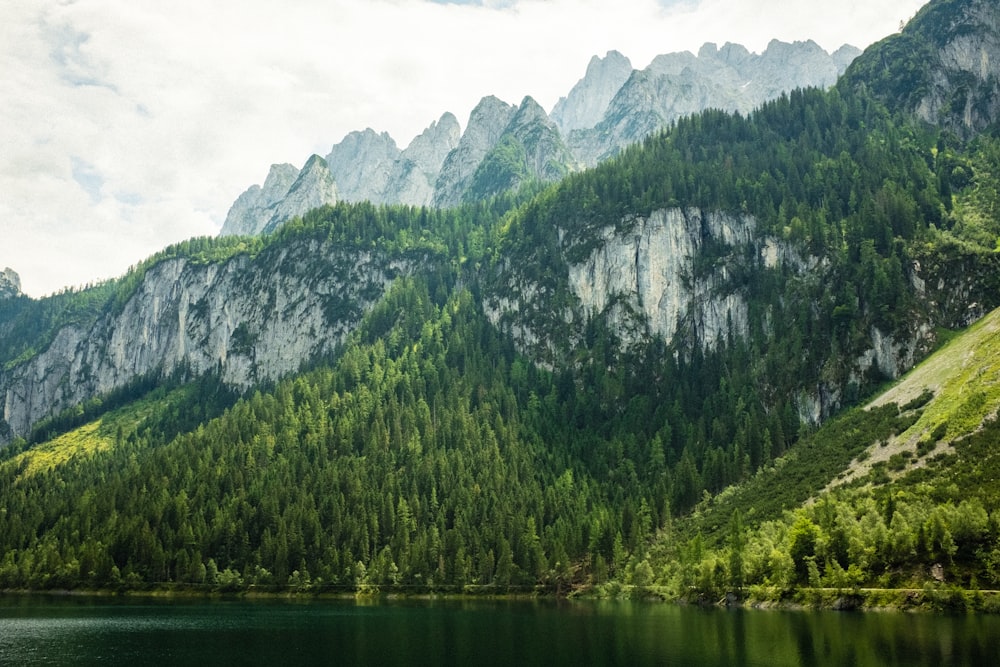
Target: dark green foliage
414	461
428	454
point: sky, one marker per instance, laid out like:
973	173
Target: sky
127	126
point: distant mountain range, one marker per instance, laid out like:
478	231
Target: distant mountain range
504	146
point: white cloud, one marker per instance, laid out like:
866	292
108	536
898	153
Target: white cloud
128	126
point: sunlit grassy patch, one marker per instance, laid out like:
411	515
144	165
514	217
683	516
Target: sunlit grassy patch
83	441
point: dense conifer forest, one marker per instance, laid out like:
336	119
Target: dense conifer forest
428	453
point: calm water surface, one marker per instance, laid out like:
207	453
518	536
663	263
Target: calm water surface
36	631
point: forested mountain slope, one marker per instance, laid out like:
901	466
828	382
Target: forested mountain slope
514	392
909	499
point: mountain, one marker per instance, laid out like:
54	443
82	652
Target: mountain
361	163
487	123
611	107
588	100
528	150
417	168
678	84
287	192
943	67
10	284
623	378
251	212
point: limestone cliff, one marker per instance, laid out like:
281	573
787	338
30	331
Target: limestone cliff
361	164
10	283
647	278
487	123
249	319
414	173
530	148
251	212
286	193
944	67
690	278
588	100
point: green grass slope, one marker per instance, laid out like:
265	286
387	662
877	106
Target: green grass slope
899	495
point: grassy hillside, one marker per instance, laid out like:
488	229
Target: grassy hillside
911	507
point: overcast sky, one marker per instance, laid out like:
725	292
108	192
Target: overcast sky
126	126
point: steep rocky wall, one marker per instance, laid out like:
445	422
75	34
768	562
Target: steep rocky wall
671	269
653	270
685	276
250	319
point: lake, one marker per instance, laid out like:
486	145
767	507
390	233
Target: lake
72	631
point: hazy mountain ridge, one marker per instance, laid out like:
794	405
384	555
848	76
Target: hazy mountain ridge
611	107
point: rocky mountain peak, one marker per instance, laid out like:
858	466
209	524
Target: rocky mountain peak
10	283
487	123
361	163
414	173
530	148
253	209
313	188
588	100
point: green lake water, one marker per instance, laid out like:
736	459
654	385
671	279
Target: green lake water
70	631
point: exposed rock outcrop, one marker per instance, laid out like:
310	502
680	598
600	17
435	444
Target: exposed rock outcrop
487	123
530	148
944	67
588	100
251	212
10	283
648	279
414	173
313	188
361	165
251	320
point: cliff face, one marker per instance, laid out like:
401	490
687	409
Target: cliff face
286	193
964	83
650	277
252	320
944	67
686	277
10	283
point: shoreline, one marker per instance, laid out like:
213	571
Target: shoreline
932	600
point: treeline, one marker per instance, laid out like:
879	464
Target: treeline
410	462
933	527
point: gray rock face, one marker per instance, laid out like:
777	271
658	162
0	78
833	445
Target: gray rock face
251	212
487	123
10	283
361	165
588	100
611	107
313	188
411	180
642	278
649	272
250	319
680	84
964	90
530	148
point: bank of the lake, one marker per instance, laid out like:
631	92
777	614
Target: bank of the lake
932	598
75	630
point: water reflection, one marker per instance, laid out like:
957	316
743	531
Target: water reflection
37	631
